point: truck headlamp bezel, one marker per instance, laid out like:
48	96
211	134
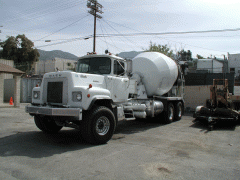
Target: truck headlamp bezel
77	96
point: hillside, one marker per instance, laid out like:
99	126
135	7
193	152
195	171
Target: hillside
48	55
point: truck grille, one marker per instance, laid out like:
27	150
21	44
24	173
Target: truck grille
54	92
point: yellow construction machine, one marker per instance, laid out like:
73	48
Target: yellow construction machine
222	106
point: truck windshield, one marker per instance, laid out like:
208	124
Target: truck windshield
94	65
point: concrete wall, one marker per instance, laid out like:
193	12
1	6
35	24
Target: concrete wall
200	79
211	65
8	89
11	91
64	64
43	67
197	96
194	95
24	89
217	67
1	87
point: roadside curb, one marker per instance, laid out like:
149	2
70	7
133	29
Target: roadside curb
6	105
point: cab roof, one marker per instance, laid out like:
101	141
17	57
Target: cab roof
102	55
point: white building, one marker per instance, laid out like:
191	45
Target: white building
234	63
42	67
209	65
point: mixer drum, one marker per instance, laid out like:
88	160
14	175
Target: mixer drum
158	72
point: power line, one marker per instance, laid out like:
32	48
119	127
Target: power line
66	41
112	45
44	24
41	13
110	35
134	30
203	36
120	34
104	36
166	33
56	7
169	33
62	28
110	38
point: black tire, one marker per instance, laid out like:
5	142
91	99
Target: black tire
169	114
210	127
208	103
46	124
98	125
178	111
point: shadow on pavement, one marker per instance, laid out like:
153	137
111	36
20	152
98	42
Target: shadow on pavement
36	144
135	126
220	126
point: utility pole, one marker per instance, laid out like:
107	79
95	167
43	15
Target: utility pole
95	8
1	32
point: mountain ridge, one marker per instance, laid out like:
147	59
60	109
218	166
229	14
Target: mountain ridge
49	55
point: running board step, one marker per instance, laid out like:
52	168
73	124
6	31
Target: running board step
128	119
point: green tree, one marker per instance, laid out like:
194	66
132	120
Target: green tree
160	48
184	55
199	56
20	49
9	49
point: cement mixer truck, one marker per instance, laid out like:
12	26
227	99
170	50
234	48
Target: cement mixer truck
106	89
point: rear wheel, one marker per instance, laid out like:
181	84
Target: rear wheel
178	111
98	125
46	124
169	114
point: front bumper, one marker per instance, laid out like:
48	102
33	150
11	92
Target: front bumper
53	111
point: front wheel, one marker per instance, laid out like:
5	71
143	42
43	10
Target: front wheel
98	125
46	124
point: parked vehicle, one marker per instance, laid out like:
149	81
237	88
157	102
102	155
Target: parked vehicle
222	106
105	89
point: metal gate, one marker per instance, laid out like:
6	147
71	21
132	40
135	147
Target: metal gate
27	85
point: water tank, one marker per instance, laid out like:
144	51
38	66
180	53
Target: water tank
158	72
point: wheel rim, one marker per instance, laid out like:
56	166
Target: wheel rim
179	111
170	113
102	126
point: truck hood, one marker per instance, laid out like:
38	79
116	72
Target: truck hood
79	79
83	79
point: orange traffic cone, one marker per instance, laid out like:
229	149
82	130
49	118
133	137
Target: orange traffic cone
11	101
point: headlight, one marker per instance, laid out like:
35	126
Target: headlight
76	96
36	94
79	97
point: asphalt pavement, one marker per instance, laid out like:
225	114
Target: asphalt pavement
138	150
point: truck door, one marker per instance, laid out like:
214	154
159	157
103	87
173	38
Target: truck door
119	83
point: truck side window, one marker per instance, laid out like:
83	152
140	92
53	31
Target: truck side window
118	68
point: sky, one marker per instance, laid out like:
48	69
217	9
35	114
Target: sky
126	25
